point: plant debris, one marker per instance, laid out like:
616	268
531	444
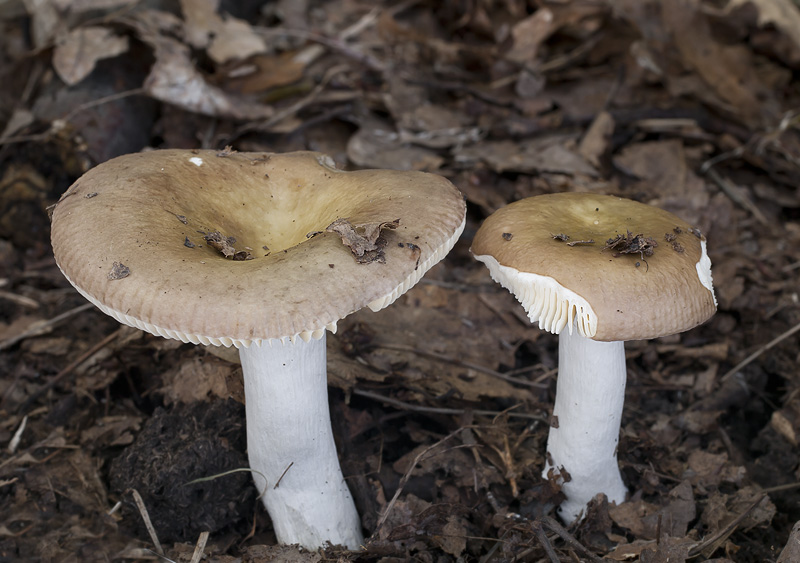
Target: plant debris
119	271
631	244
224	245
364	240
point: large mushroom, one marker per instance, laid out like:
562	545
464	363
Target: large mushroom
263	252
596	270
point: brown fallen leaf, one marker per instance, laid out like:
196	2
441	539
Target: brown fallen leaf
77	53
224	245
174	79
364	240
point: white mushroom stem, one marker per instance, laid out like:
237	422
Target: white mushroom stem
589	396
290	444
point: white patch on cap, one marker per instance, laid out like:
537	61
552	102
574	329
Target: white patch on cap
703	267
196	160
545	300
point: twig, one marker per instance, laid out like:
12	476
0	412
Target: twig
200	547
468	365
14	443
278	482
407	476
544	541
42	327
70	368
567	537
757	353
736	195
137	498
19	299
295	107
716	539
58	124
442	410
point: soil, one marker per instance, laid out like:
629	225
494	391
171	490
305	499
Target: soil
440	403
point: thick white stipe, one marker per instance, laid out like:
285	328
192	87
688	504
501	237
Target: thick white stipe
290	444
589	397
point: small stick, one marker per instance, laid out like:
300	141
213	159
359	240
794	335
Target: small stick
278	482
407	476
777	340
567	537
42	327
468	365
716	539
200	547
442	410
70	368
137	498
14	443
544	541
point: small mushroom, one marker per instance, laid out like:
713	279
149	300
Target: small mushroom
274	308
595	299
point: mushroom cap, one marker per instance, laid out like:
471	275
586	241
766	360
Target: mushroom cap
610	294
129	235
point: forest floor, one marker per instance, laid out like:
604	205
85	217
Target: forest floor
440	403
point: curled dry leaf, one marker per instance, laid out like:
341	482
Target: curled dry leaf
77	53
224	245
364	240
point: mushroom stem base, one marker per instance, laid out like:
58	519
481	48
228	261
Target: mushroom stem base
291	448
589	397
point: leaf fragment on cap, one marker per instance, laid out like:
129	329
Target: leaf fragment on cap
119	271
364	240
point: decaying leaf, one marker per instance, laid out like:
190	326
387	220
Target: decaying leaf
77	53
119	271
631	244
225	37
175	80
364	240
224	245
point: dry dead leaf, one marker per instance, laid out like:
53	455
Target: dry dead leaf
363	239
783	14
175	80
198	379
224	37
595	142
668	550
234	39
547	154
529	34
375	146
77	53
263	72
791	552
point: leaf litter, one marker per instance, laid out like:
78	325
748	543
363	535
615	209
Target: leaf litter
689	109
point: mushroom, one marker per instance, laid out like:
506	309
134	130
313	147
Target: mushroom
231	249
596	270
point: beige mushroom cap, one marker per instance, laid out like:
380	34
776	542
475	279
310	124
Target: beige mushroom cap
123	236
612	296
